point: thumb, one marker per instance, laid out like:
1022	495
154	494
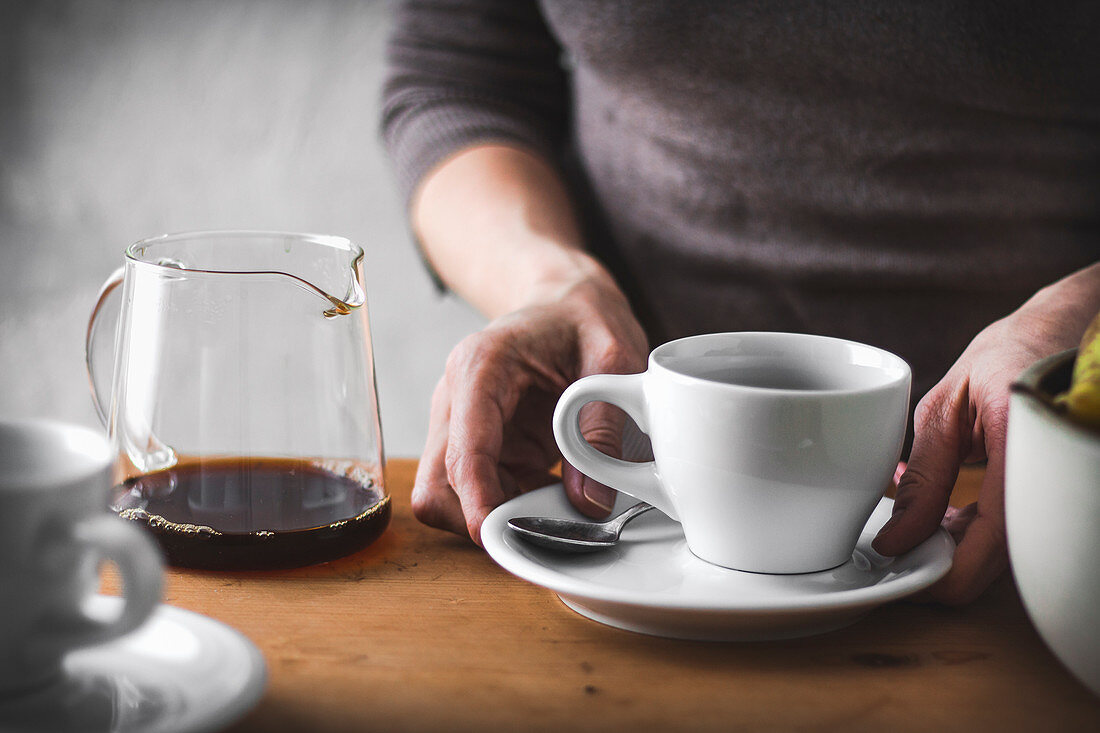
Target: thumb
601	425
924	488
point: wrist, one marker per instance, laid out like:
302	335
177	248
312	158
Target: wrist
1065	307
1079	291
572	274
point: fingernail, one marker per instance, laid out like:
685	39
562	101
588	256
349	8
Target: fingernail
598	494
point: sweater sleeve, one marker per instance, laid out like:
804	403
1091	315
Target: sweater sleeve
462	72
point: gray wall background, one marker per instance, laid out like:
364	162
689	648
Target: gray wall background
121	120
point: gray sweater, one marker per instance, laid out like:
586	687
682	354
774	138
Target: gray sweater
898	173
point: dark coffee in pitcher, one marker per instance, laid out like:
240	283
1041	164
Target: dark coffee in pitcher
234	513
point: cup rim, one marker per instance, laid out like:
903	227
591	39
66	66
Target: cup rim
90	448
903	377
1028	390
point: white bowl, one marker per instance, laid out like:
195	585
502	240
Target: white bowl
1052	503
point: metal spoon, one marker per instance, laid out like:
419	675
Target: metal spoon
568	535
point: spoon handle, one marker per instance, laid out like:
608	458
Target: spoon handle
616	525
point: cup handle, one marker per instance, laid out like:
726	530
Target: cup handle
91	336
624	391
139	563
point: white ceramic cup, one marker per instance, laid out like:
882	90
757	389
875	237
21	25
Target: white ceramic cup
54	530
1052	511
772	449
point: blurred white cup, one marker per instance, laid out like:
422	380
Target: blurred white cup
54	531
1052	505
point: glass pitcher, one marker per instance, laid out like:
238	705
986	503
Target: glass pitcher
242	401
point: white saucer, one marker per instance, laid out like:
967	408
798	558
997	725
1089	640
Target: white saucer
180	673
651	583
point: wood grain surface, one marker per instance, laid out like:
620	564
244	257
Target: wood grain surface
424	632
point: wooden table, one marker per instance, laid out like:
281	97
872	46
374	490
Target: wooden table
424	632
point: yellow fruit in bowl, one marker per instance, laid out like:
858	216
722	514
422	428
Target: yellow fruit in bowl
1082	400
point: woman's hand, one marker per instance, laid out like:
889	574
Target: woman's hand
964	419
497	224
490	435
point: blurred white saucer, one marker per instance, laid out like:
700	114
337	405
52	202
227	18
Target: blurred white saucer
180	672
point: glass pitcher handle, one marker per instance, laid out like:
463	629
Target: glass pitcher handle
100	397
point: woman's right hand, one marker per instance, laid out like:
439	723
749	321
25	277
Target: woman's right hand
490	435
